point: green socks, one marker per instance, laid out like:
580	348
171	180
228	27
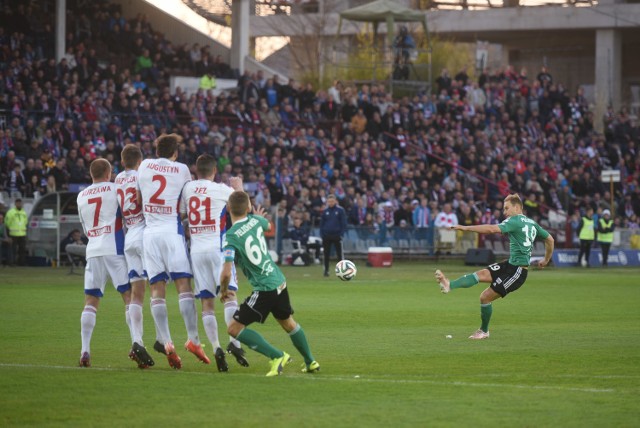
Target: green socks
299	340
465	281
485	315
255	341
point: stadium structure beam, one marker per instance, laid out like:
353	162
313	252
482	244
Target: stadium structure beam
608	73
239	33
61	22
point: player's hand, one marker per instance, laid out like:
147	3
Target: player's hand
235	183
259	210
456	227
542	263
223	295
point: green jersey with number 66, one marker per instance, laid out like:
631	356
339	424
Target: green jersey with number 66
522	232
245	242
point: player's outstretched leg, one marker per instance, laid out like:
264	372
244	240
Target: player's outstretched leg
255	341
299	340
442	281
465	281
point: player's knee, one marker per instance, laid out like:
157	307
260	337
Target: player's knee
288	325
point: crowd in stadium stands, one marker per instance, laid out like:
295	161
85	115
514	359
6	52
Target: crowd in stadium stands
391	162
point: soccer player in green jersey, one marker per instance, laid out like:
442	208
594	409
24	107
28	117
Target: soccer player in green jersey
508	276
245	243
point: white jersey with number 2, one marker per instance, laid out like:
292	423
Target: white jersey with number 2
161	182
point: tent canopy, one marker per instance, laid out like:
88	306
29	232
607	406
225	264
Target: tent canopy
386	11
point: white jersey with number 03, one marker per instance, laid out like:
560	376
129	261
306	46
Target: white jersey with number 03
101	220
161	182
205	204
127	186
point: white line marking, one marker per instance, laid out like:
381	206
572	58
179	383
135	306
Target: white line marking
321	377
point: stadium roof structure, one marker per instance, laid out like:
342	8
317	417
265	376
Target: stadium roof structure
386	11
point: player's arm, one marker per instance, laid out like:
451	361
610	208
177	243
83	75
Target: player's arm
549	244
478	228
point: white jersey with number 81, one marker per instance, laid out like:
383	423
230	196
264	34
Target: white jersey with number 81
204	202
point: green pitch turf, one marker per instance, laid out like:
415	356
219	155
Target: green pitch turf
564	351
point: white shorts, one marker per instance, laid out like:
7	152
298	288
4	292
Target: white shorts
98	270
134	254
207	268
165	257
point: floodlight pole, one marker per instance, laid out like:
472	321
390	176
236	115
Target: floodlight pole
58	230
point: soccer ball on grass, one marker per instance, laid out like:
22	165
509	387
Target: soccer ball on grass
346	270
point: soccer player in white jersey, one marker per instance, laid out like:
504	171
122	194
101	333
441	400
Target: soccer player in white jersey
204	203
131	207
165	253
102	222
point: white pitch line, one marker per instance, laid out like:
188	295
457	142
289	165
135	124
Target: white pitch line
321	377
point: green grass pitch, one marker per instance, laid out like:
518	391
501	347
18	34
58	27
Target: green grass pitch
564	351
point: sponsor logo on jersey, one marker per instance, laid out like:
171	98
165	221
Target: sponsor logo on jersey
94	233
132	221
157	209
202	229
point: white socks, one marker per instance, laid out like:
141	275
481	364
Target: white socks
135	314
160	317
87	323
230	308
211	328
189	315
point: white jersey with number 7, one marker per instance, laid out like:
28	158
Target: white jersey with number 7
161	182
101	220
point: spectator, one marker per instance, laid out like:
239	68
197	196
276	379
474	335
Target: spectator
75	246
6	256
16	223
333	225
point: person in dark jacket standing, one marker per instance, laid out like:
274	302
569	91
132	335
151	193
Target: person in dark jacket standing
333	224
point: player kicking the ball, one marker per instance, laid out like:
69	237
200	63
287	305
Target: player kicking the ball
508	276
165	255
102	223
204	203
245	242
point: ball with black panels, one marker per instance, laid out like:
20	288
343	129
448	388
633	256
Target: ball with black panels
346	270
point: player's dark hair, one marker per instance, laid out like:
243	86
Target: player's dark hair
131	154
238	203
167	145
514	199
100	168
205	165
